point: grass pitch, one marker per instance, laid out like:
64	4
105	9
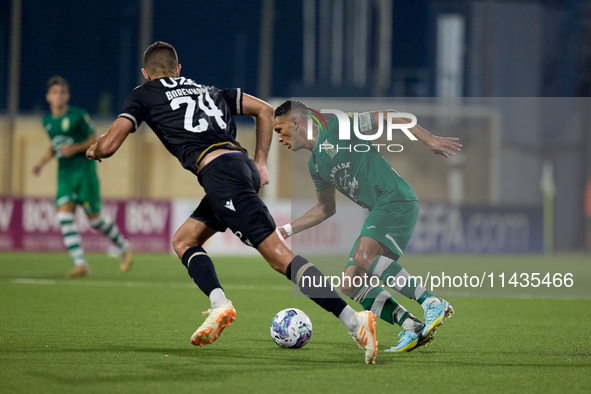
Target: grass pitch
131	333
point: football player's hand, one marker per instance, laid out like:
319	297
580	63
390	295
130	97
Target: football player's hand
264	174
67	150
90	153
444	146
283	232
37	169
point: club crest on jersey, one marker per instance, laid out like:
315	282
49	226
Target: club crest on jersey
65	124
328	148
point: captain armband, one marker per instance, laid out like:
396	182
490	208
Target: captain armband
366	122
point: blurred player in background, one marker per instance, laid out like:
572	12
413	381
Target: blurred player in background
195	123
369	180
71	133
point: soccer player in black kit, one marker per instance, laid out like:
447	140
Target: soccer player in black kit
195	123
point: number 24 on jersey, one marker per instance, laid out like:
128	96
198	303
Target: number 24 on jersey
211	110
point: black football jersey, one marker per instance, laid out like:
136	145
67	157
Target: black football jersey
190	119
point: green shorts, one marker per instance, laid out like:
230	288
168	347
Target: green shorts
80	187
391	224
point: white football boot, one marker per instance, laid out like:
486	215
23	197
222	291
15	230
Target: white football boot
218	319
126	258
365	335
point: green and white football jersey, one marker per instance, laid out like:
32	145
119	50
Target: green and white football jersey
364	177
72	127
77	181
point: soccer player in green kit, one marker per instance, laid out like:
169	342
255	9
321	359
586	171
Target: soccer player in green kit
365	177
72	132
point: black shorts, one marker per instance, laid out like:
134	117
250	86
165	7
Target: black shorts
231	184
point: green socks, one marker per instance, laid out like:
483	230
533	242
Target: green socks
381	303
397	278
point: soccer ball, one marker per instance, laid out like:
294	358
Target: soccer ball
291	328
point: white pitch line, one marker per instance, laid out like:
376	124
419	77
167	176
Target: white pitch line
34	281
29	281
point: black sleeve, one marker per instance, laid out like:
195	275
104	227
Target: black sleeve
133	109
234	99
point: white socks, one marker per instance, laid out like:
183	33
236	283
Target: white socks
348	318
217	298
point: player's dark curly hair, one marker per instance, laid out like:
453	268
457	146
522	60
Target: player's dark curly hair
287	106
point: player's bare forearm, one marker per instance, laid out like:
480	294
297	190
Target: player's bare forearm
313	217
71	150
421	134
264	135
263	114
325	208
47	156
101	149
108	144
84	145
444	146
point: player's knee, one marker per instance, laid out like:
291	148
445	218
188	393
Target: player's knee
178	248
180	244
362	260
275	252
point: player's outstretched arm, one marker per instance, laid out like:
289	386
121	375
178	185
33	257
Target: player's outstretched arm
444	146
48	155
263	114
71	150
325	208
108	144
